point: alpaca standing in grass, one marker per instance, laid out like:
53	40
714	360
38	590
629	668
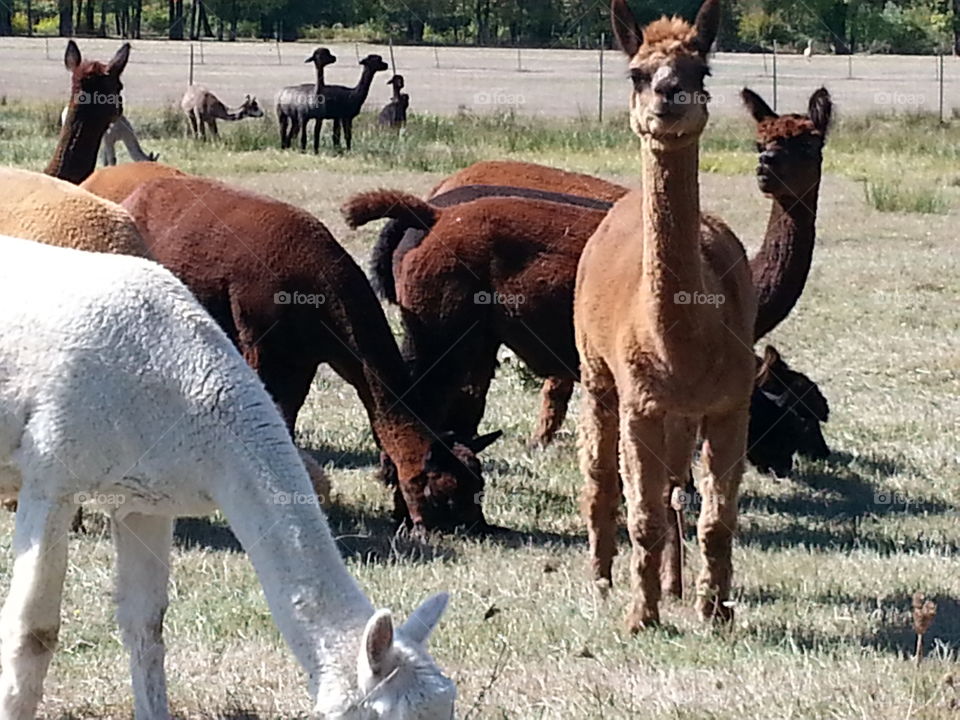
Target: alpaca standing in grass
394	113
663	319
121	130
299	300
203	109
170	422
295	103
95	102
343	104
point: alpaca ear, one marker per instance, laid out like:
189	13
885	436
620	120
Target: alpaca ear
119	61
770	358
820	110
377	644
482	442
425	618
707	24
625	27
756	105
71	58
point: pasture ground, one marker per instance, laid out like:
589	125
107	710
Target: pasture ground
826	562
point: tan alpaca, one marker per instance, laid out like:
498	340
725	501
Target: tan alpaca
203	109
664	327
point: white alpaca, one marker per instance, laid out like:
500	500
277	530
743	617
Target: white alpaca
116	386
808	50
120	130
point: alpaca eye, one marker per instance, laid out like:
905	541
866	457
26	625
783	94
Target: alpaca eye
759	147
640	78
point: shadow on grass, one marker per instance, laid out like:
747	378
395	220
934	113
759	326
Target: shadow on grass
359	536
351	459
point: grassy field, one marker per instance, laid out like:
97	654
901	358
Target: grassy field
826	562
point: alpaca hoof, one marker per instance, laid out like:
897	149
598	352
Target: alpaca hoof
642	619
603	586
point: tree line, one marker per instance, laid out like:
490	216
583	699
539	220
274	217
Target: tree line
839	26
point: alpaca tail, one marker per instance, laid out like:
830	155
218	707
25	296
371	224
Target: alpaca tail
406	212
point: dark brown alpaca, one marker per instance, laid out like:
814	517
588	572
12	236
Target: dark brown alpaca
343	104
791	152
95	102
291	298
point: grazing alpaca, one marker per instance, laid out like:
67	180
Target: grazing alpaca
116	183
203	108
663	318
394	113
297	301
785	415
296	102
121	130
342	104
170	422
95	102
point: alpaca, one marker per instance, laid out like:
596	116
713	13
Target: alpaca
295	101
121	130
95	102
785	415
203	109
170	422
663	321
512	173
117	182
298	301
394	113
808	50
342	104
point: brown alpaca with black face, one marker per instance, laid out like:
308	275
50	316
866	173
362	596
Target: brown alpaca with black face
95	102
290	297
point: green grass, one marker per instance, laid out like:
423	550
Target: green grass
826	561
894	197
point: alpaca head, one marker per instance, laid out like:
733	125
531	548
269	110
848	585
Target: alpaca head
790	146
396	677
95	87
397	82
446	489
786	411
250	108
374	64
321	57
668	64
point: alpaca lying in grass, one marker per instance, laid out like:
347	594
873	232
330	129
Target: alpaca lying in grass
291	298
117	182
170	422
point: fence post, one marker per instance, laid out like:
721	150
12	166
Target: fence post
941	89
774	75
519	61
603	40
279	33
436	55
393	60
191	64
850	66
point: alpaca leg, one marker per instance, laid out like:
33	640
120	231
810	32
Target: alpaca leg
283	122
214	131
318	124
642	453
304	122
348	132
598	431
143	569
681	435
192	122
30	620
724	446
202	121
554	398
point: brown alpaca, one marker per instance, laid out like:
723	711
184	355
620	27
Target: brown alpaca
95	102
291	298
663	319
203	109
117	182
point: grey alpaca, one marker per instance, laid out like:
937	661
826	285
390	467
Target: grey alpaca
295	103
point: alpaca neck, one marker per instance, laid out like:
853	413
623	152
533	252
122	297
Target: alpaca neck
781	266
363	87
671	240
237	114
124	131
75	157
320	80
317	605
